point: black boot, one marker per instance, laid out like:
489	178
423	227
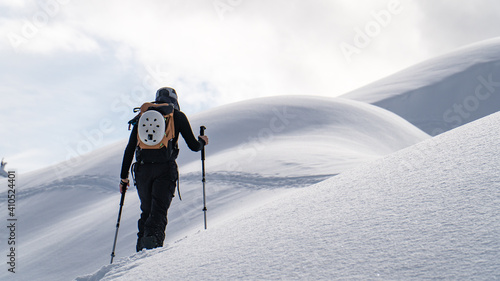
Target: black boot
149	242
138	246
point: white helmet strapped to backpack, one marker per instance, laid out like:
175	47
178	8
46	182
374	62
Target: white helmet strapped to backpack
151	127
155	120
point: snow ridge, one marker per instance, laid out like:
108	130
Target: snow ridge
259	149
442	93
428	211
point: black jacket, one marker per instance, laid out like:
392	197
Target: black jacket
182	126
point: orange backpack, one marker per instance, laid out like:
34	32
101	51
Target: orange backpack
155	125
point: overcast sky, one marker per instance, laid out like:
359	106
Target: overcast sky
71	71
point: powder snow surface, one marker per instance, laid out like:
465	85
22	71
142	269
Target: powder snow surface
403	205
258	150
426	212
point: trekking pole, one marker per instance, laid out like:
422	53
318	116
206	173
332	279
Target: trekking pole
202	133
118	222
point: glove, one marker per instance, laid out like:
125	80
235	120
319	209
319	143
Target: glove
124	183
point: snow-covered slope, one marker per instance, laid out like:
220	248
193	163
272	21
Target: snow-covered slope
426	212
258	149
442	93
300	135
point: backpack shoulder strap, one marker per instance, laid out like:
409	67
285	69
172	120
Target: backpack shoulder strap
145	106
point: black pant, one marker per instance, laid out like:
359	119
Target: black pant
156	188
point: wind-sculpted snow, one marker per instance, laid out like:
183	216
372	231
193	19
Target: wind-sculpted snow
299	135
426	212
259	149
442	93
90	183
254	181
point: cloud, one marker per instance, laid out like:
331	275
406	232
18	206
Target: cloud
447	24
29	159
39	27
247	45
256	48
81	62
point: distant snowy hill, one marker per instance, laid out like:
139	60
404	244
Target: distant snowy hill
426	212
299	135
259	149
442	93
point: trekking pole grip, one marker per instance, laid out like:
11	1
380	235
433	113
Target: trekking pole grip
202	133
